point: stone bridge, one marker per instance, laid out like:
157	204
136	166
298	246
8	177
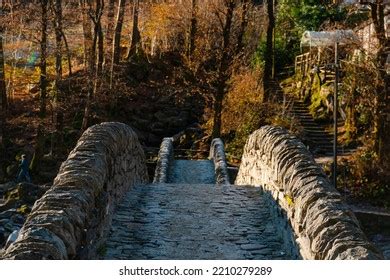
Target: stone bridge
102	206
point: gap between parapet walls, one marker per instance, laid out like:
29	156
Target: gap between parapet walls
324	225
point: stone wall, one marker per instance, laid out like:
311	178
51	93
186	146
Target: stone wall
324	226
73	217
217	154
165	156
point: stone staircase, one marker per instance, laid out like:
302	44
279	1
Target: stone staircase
316	136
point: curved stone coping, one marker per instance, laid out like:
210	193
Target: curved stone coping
217	154
325	227
73	217
165	156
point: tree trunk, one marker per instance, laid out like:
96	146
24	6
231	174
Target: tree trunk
193	28
87	33
3	91
223	69
38	149
100	43
95	70
58	35
118	32
382	114
217	121
269	50
43	74
109	34
68	54
57	95
136	35
243	26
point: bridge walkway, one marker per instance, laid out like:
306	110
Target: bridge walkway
194	221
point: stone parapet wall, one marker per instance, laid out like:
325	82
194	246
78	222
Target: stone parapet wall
217	154
73	217
165	157
324	226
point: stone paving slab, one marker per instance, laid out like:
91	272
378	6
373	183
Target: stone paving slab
180	221
192	172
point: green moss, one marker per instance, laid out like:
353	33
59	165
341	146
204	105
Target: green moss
289	199
24	209
318	100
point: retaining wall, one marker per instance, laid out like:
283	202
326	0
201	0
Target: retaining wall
72	219
324	226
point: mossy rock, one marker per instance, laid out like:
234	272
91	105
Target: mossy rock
26	192
319	100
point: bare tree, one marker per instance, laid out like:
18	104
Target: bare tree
3	89
136	35
118	31
382	114
243	25
193	27
97	56
223	68
87	34
269	49
43	64
57	6
109	33
57	22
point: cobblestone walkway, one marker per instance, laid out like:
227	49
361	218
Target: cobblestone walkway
192	172
180	221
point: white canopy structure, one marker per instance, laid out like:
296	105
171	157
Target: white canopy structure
328	38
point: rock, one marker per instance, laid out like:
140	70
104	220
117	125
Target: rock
7	186
12	170
157	126
8	213
11	238
178	122
160	116
140	123
19	219
2	174
25	192
2	236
